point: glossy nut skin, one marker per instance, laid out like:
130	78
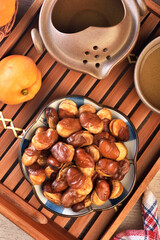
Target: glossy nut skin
101	193
50	172
116	189
42	159
86	187
81	205
109	149
68	126
75	177
36	174
123	168
67	109
50	195
104	113
45	139
80	139
30	155
84	161
103	135
91	122
107	167
71	197
119	129
62	152
52	117
93	150
87	108
53	162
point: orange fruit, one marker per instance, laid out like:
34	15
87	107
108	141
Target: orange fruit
7	9
20	79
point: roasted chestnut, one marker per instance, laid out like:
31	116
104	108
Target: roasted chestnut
93	150
107	167
52	117
101	193
62	152
123	168
67	109
91	122
71	197
42	159
103	135
81	205
119	129
84	161
36	174
44	139
86	187
113	150
116	189
104	113
30	155
87	108
80	139
75	177
50	195
68	126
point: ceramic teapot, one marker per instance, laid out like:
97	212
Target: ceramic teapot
90	36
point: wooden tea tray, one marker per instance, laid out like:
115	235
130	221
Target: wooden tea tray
17	201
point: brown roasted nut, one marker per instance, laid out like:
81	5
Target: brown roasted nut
101	193
80	139
67	109
50	172
109	149
75	177
30	155
116	189
93	150
45	139
53	162
103	135
84	161
68	126
81	205
107	167
36	174
50	195
40	129
62	152
42	159
123	168
91	122
113	150
52	117
104	113
87	108
60	183
119	129
86	187
71	197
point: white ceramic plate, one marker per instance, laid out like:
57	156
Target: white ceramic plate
128	181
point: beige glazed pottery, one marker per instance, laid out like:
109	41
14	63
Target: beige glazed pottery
89	36
147	75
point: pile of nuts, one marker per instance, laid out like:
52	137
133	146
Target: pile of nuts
80	158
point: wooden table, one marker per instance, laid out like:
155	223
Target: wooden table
117	90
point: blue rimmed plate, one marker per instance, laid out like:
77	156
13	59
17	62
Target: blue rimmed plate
128	181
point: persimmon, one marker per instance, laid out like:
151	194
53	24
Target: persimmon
7	9
20	79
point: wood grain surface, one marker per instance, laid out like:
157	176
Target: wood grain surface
116	90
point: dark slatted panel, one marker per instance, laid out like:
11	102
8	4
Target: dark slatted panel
116	90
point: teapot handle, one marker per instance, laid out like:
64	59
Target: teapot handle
37	41
142	7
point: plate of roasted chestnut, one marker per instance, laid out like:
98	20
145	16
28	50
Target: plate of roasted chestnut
79	156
